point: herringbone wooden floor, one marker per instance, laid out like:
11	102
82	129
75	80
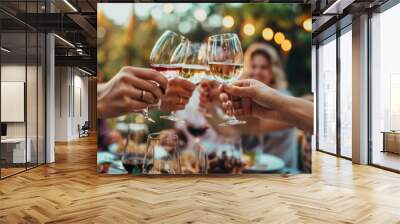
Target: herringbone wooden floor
70	191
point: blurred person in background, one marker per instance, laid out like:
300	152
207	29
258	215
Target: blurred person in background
261	62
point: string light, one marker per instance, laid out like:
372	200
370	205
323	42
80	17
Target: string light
286	45
279	37
268	34
307	25
228	21
249	29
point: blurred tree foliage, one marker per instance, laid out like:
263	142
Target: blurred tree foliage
131	44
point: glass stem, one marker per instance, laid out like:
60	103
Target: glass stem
147	115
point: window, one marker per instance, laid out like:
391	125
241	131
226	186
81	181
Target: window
327	96
385	89
346	93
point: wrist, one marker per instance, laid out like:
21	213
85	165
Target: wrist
100	110
279	101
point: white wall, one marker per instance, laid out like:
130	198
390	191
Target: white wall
12	73
71	93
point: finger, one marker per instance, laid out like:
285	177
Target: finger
182	83
148	86
175	100
130	105
227	106
221	88
148	74
204	84
177	90
242	82
143	84
239	91
223	97
148	97
208	83
137	94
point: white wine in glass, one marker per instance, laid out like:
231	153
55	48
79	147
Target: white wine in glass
226	72
195	64
225	58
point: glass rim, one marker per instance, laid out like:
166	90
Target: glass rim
232	35
156	135
176	34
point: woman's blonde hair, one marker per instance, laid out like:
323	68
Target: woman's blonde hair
278	74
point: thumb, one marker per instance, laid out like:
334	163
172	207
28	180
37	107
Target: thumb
239	91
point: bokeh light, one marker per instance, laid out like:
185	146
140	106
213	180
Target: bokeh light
168	8
268	34
200	15
249	29
215	20
286	45
184	27
307	25
279	37
228	21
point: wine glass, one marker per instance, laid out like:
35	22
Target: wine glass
195	64
162	156
225	58
201	156
161	58
132	157
237	156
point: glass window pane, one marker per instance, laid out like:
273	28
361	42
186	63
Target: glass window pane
327	96
346	94
31	97
41	99
13	85
385	89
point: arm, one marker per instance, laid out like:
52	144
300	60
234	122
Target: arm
298	111
210	102
253	98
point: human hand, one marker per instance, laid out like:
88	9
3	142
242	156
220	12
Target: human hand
177	94
250	98
130	90
209	94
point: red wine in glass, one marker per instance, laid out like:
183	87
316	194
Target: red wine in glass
168	70
136	165
197	131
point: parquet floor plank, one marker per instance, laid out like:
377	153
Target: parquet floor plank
71	191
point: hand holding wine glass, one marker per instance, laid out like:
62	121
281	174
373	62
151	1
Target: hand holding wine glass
167	57
249	97
130	90
254	98
225	58
177	95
